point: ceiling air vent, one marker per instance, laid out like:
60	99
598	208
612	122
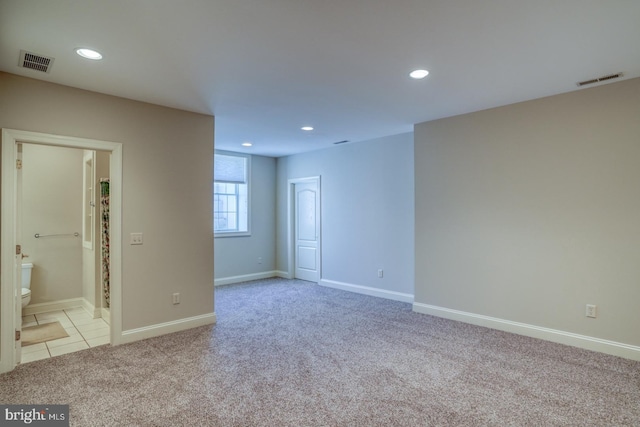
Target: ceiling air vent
34	61
600	79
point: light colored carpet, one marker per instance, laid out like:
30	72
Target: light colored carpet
41	333
290	353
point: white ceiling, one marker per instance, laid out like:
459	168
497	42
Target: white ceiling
265	68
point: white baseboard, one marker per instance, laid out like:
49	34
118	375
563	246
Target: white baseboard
283	274
89	308
167	328
245	278
568	338
95	312
45	307
380	293
105	313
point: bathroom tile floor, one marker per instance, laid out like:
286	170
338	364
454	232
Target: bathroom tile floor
84	332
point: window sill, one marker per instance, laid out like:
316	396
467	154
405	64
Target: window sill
234	234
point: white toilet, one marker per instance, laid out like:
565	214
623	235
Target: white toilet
26	283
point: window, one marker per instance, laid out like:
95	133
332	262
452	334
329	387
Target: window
231	195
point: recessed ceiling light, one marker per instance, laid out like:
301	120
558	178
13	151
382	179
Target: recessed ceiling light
419	74
89	53
247	144
307	128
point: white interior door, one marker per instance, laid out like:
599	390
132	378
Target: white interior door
11	259
307	231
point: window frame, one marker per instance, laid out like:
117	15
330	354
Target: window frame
247	158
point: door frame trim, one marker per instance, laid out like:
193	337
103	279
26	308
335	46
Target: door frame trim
291	223
10	139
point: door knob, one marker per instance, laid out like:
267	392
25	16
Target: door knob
25	256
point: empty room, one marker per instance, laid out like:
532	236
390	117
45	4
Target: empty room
296	213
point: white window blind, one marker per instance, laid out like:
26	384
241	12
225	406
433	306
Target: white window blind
232	174
230	169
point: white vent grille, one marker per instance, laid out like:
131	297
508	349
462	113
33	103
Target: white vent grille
33	61
600	79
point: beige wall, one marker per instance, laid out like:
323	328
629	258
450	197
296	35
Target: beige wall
236	258
367	214
530	211
167	189
52	204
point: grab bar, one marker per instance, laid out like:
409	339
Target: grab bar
38	235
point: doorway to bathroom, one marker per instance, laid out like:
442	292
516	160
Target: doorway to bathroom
65	242
65	248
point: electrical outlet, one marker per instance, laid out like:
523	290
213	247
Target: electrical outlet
259	260
135	238
591	311
380	273
176	298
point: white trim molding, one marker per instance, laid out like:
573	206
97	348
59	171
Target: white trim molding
95	312
283	274
145	332
105	314
9	285
626	351
244	278
249	277
65	304
366	290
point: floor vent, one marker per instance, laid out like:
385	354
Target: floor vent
341	142
33	61
600	79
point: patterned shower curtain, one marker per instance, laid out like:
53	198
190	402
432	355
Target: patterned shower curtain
104	204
